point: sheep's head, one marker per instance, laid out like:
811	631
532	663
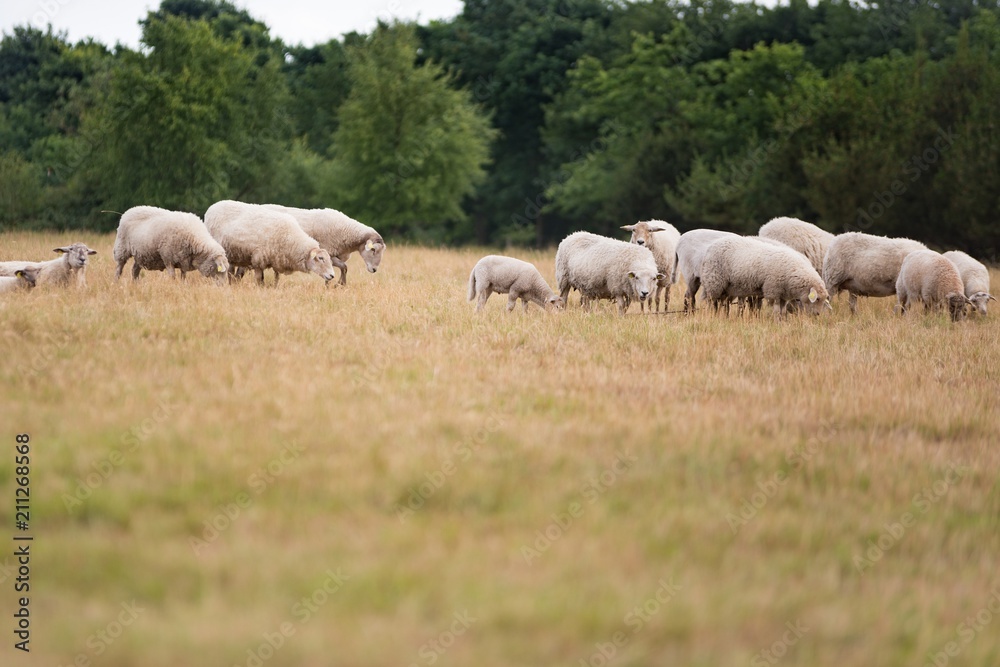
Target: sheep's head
643	282
319	262
642	232
556	302
956	306
76	254
215	267
979	300
27	277
816	301
371	252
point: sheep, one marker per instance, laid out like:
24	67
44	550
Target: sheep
605	268
157	240
975	277
747	267
22	279
339	235
802	236
865	265
690	251
661	238
930	278
257	238
69	268
514	277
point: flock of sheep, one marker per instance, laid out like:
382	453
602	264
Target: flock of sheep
794	265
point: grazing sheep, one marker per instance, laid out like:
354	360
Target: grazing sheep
929	277
802	236
661	239
68	269
975	277
339	235
744	267
22	279
865	265
257	238
605	268
691	249
157	240
514	277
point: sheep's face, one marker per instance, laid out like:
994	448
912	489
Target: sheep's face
816	301
371	252
215	267
77	254
642	233
555	303
956	306
979	301
643	283
27	277
319	262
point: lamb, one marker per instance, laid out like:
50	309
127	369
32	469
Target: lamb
804	237
930	278
257	238
22	279
691	249
339	235
661	238
865	265
744	267
605	268
514	277
68	269
975	277
157	240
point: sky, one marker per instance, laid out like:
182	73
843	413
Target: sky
306	22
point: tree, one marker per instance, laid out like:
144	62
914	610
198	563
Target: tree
409	146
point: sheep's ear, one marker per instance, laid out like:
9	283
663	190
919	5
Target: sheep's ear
313	253
91	252
631	275
829	305
992	298
657	229
628	228
660	276
813	295
370	244
61	251
20	274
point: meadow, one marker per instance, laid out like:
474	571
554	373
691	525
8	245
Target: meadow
374	475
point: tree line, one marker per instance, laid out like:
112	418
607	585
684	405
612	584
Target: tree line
519	121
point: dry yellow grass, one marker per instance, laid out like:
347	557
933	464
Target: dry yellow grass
563	471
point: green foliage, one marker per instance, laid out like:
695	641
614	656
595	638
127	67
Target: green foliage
409	146
20	190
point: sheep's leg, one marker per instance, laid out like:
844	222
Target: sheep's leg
259	273
483	296
276	277
170	271
666	300
512	301
692	289
183	275
524	304
135	270
118	270
852	301
342	265
779	312
622	306
239	272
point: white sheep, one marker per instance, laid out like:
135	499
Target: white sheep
604	268
258	238
744	267
975	278
865	265
22	279
691	249
339	235
514	277
661	239
68	269
799	235
160	240
930	278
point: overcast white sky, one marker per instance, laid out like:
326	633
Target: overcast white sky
294	21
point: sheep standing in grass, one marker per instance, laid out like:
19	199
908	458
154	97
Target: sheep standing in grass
160	240
339	235
513	277
603	268
865	265
929	277
69	269
661	239
22	279
804	237
975	278
744	267
691	249
258	238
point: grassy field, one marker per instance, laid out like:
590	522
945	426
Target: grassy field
374	475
